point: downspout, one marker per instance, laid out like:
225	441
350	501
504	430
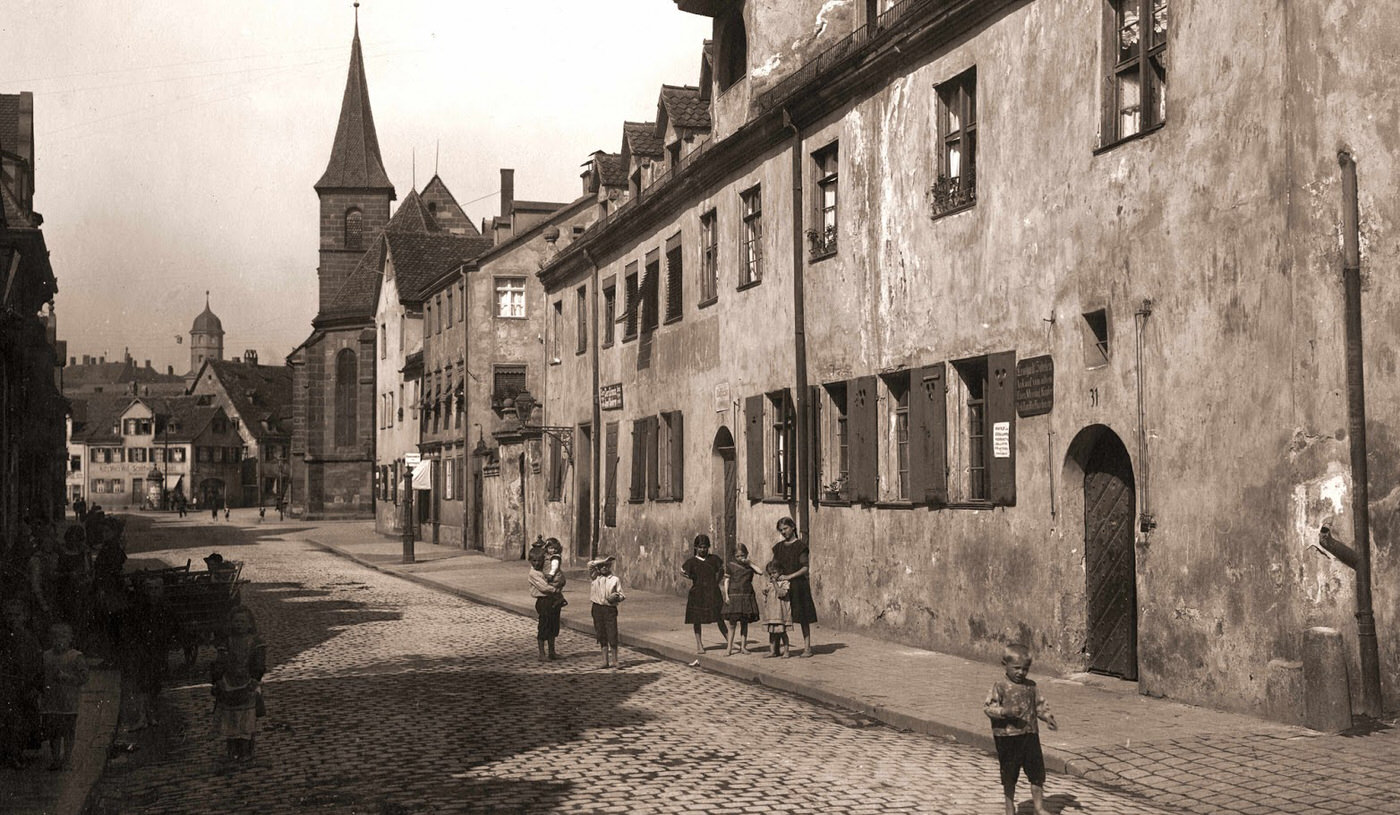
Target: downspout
1356	420
596	476
1146	522
799	337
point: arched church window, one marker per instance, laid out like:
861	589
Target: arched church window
346	412
354	229
733	50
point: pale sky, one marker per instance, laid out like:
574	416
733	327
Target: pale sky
177	142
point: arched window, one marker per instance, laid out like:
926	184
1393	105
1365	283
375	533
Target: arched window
354	229
346	412
733	51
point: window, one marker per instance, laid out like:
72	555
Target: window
895	436
398	412
582	315
354	229
974	379
1135	49
201	455
709	259
982	442
893	453
751	271
822	236
1095	333
674	276
177	455
448	471
770	439
507	381
670	456
643	459
609	311
346	398
733	51
118	485
629	316
651	283
75	464
835	453
136	455
447	315
383	340
427	318
956	186
218	454
558	468
510	297
556	327
96	455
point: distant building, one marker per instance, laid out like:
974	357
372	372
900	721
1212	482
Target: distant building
206	340
258	401
88	375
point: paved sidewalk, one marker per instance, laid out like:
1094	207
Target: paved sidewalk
35	791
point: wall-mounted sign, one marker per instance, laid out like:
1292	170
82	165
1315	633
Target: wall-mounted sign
722	397
412	459
1035	386
610	397
1001	440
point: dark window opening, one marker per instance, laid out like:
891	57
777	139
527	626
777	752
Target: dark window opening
733	56
1096	337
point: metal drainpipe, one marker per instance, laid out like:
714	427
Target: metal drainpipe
596	492
1146	523
1356	419
799	337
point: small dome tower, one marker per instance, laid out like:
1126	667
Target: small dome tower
206	338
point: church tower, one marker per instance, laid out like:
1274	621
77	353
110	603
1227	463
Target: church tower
355	191
206	338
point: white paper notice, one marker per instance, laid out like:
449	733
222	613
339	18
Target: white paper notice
1001	440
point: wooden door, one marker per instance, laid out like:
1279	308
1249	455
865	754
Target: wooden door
1110	561
731	509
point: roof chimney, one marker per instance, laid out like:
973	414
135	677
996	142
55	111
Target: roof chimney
250	357
170	370
72	360
148	363
102	360
507	192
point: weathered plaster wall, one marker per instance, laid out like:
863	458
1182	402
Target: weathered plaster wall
403	328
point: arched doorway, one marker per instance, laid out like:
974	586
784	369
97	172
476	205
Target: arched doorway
1110	561
725	489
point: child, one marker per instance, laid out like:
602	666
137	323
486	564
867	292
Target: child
705	601
235	678
1015	706
605	591
554	569
740	602
65	673
546	606
777	614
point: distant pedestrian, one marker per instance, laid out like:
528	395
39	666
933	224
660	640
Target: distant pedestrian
225	512
65	673
605	592
1016	707
236	683
793	559
281	507
547	605
740	602
80	509
705	600
214	511
776	611
262	512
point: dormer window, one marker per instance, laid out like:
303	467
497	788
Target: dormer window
732	57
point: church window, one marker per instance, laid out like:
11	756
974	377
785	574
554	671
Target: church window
346	413
354	229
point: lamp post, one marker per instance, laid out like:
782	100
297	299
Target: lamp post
407	513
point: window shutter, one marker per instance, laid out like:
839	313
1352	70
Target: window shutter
610	459
653	454
928	435
790	445
861	450
814	457
1001	409
753	441
639	440
677	456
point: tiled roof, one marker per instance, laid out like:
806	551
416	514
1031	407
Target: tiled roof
684	107
93	417
413	216
15	215
259	394
9	120
359	294
421	259
641	138
449	214
186	417
610	169
355	161
114	373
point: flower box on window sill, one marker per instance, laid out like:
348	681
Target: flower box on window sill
821	242
950	195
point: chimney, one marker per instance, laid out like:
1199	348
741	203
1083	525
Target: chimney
102	360
250	357
72	361
148	364
507	192
170	370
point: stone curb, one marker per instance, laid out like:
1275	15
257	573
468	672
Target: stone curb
1058	761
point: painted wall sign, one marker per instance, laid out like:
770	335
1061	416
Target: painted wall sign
610	397
1001	440
722	397
1035	386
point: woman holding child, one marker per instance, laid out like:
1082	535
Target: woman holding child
549	599
791	557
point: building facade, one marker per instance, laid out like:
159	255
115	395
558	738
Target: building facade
257	399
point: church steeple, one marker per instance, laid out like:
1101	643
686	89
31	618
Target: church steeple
355	162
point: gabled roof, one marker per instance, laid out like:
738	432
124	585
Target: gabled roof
355	161
413	216
683	107
185	417
93	417
115	373
609	169
420	259
448	213
258	394
640	139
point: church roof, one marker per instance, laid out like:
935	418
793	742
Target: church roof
207	322
413	216
355	161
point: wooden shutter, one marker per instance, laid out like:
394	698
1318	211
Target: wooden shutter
814	456
1001	409
928	435
677	462
674	275
610	460
861	448
639	461
753	445
653	455
789	431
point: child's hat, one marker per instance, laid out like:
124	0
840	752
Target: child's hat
600	561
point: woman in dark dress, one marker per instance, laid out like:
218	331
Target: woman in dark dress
790	554
704	602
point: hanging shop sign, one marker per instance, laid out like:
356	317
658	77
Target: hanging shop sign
1035	386
610	397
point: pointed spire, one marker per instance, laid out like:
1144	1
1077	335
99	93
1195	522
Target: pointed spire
355	162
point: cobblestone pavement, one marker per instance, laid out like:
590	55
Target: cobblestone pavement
386	697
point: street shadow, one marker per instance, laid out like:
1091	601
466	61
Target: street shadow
826	647
1362	726
1059	802
145	535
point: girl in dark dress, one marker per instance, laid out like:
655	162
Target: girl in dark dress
704	602
740	602
790	554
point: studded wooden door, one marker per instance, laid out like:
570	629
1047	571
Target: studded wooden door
1110	561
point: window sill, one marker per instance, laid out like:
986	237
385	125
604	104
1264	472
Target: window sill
953	210
626	339
775	499
816	256
675	319
606	345
1104	148
968	505
666	500
707	303
894	505
636	500
580	352
509	317
834	502
555	361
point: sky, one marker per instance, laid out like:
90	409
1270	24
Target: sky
177	142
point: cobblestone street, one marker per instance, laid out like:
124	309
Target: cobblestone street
388	697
